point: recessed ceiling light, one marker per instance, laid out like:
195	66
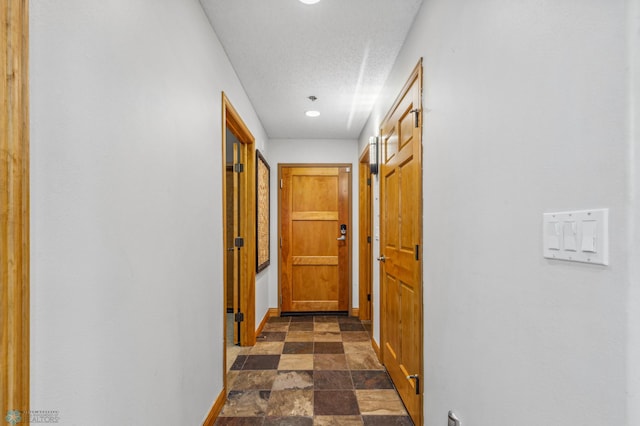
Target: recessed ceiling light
312	113
309	1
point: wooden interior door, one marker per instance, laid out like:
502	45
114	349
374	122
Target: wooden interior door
401	235
314	255
365	244
233	196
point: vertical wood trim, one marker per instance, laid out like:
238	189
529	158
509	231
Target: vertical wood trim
344	178
284	209
225	268
14	208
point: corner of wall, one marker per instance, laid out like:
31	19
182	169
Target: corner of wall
633	300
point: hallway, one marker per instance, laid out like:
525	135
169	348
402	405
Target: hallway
311	371
114	178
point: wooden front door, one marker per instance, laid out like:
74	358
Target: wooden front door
314	254
401	242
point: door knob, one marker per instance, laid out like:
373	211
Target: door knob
343	232
382	259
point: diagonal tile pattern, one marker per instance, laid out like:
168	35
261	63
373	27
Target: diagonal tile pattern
311	370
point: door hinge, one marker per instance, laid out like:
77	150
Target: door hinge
368	298
238	242
369	239
415	377
281	183
368	181
416	117
417	251
238	168
239	317
280	241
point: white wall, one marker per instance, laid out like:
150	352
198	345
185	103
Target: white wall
525	112
283	151
633	305
127	306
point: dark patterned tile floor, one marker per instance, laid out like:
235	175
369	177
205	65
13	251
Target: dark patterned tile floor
311	371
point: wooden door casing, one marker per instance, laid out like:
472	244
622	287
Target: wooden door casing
314	264
14	207
244	258
401	242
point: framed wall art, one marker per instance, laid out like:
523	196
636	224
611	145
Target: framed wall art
263	173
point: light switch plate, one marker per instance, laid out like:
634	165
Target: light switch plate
577	236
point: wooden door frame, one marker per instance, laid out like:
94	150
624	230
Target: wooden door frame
231	120
349	223
416	76
14	207
365	249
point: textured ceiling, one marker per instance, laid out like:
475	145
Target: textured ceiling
338	50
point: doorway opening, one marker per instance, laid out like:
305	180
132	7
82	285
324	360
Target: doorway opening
239	224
